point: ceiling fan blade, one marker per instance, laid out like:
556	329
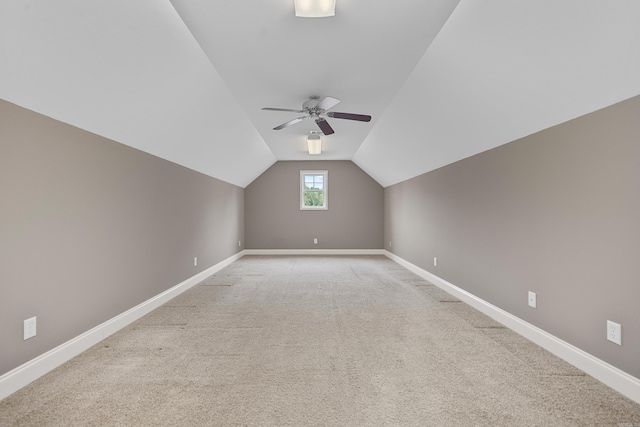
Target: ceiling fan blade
327	102
324	126
290	122
350	116
283	109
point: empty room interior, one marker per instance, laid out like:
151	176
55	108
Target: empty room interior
454	177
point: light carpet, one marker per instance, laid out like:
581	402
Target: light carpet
317	341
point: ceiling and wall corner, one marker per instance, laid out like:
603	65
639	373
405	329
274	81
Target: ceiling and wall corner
443	79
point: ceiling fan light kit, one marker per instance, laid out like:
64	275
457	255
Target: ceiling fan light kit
314	8
316	108
314	143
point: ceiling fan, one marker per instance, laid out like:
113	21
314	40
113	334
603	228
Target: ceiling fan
316	108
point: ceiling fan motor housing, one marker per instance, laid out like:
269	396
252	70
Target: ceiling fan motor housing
311	103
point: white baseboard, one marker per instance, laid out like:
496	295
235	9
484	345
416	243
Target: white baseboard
314	252
24	374
613	377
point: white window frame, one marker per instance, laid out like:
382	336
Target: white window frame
325	190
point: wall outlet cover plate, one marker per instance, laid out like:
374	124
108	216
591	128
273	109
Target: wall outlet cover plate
614	332
29	328
532	299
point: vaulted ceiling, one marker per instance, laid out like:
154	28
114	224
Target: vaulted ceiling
185	80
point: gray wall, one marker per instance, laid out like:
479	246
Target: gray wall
90	228
557	213
354	220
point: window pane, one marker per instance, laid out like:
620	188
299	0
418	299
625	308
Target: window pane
313	199
314	182
308	181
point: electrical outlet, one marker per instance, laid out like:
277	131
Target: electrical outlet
614	332
389	243
315	241
195	261
435	261
239	243
30	328
532	299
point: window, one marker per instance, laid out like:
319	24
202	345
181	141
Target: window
313	190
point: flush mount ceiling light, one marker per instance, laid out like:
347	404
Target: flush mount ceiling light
315	8
314	143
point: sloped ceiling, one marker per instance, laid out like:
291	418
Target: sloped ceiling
502	70
185	80
130	71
